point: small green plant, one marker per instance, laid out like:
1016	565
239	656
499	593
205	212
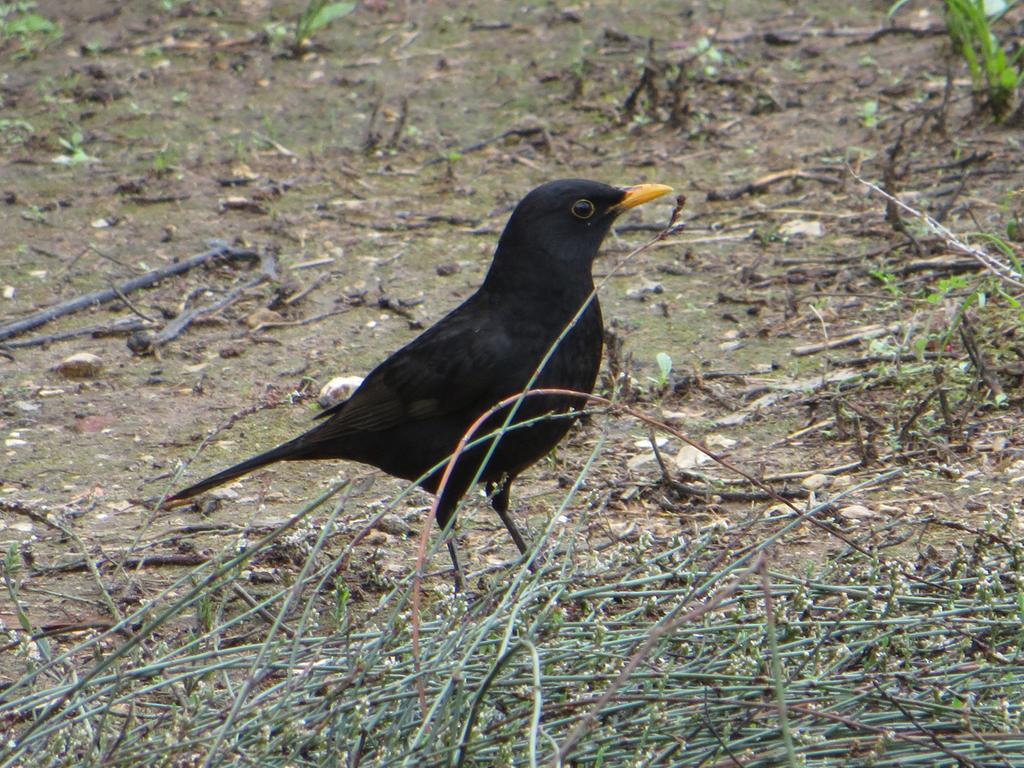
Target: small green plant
664	377
205	614
888	281
339	610
994	73
947	286
19	22
766	233
12	569
75	153
165	160
14	130
869	113
1015	229
317	16
793	64
277	32
704	50
451	160
34	214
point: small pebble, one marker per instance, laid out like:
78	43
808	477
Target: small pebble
231	350
394	525
262	316
376	538
92	424
856	512
815	482
81	365
236	203
801	228
647	289
243	171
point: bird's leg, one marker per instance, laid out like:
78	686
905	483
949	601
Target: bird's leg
499	500
517	537
460	581
446	522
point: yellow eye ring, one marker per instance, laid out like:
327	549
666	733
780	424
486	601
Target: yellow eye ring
583	209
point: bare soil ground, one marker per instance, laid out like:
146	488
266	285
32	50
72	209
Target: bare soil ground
814	342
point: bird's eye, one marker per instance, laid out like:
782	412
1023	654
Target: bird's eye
583	209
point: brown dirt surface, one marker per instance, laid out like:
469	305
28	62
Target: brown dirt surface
377	166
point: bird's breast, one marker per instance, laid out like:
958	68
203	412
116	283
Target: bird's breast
576	358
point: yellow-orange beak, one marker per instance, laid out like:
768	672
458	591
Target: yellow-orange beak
640	194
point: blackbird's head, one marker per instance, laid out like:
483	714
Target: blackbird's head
558	227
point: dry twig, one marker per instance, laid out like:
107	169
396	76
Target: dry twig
1005	272
71	306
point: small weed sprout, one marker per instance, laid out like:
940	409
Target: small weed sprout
75	153
340	607
705	50
869	113
451	159
15	130
664	377
316	17
18	22
888	281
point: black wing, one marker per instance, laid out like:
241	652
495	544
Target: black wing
461	363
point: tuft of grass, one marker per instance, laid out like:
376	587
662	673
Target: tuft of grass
637	654
995	74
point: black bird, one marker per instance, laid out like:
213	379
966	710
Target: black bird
410	412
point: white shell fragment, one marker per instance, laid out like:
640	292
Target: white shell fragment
337	389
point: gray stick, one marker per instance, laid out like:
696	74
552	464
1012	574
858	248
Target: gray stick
218	248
